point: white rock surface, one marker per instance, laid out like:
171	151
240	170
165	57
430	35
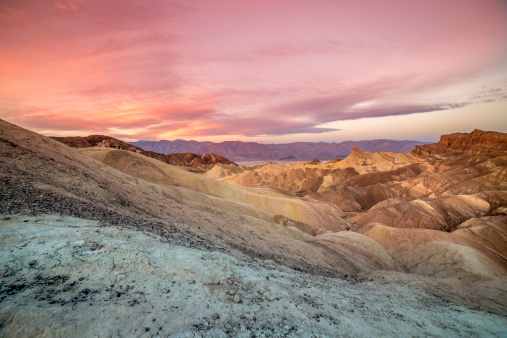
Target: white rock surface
177	291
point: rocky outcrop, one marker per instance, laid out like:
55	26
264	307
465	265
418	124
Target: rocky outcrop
476	142
195	161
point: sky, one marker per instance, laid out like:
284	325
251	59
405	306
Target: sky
269	71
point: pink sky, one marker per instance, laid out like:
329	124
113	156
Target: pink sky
264	70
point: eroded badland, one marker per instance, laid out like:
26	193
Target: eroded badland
100	241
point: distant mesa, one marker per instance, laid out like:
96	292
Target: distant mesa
476	142
189	160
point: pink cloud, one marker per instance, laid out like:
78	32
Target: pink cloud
239	68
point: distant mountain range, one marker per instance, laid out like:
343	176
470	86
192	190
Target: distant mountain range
299	151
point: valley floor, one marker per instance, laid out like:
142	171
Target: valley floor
65	277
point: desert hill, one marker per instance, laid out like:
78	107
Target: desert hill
42	175
298	151
190	160
405	191
102	230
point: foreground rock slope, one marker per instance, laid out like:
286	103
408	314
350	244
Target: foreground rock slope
376	244
69	277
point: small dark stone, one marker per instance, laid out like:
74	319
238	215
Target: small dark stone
147	329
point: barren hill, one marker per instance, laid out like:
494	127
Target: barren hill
190	160
405	191
363	246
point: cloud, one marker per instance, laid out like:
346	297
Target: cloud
258	126
173	68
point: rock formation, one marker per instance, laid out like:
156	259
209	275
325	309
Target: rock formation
476	142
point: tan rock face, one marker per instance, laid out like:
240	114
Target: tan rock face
359	252
490	231
442	214
437	254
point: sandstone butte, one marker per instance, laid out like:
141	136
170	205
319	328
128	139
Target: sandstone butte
432	223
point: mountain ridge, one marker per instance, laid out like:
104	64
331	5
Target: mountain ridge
302	151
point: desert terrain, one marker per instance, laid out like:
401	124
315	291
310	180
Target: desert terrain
103	241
